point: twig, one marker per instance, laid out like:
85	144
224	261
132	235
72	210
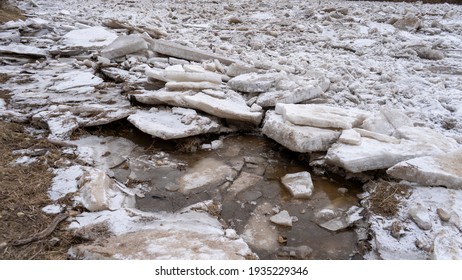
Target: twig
44	233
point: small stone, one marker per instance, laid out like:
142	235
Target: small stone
443	214
420	216
282	218
20	214
3	245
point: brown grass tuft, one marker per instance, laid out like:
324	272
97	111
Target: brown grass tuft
385	197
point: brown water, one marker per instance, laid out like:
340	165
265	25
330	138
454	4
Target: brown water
257	155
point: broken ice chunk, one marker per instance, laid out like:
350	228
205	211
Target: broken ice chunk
175	123
303	139
123	45
350	136
372	154
420	216
282	218
179	51
321	115
441	170
19	49
299	184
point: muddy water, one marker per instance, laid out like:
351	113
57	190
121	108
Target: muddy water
247	154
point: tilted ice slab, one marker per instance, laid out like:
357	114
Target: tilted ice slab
303	139
176	50
297	95
443	170
255	83
321	115
278	87
428	136
62	120
372	154
89	37
162	97
123	45
186	73
230	106
140	235
175	123
386	121
19	49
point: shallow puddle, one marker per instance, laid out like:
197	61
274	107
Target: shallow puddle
252	166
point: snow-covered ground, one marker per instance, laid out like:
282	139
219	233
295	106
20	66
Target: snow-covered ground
385	76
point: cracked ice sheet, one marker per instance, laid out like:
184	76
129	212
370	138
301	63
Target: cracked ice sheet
75	79
105	152
175	123
183	235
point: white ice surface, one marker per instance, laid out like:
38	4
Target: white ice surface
65	181
89	37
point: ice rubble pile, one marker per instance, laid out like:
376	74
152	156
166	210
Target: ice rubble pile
201	92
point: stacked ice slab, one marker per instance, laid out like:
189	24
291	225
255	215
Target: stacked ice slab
359	141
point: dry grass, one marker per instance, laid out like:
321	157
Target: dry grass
8	12
385	198
23	192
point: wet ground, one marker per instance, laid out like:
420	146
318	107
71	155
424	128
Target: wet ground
261	162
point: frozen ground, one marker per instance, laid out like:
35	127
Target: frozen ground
399	63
